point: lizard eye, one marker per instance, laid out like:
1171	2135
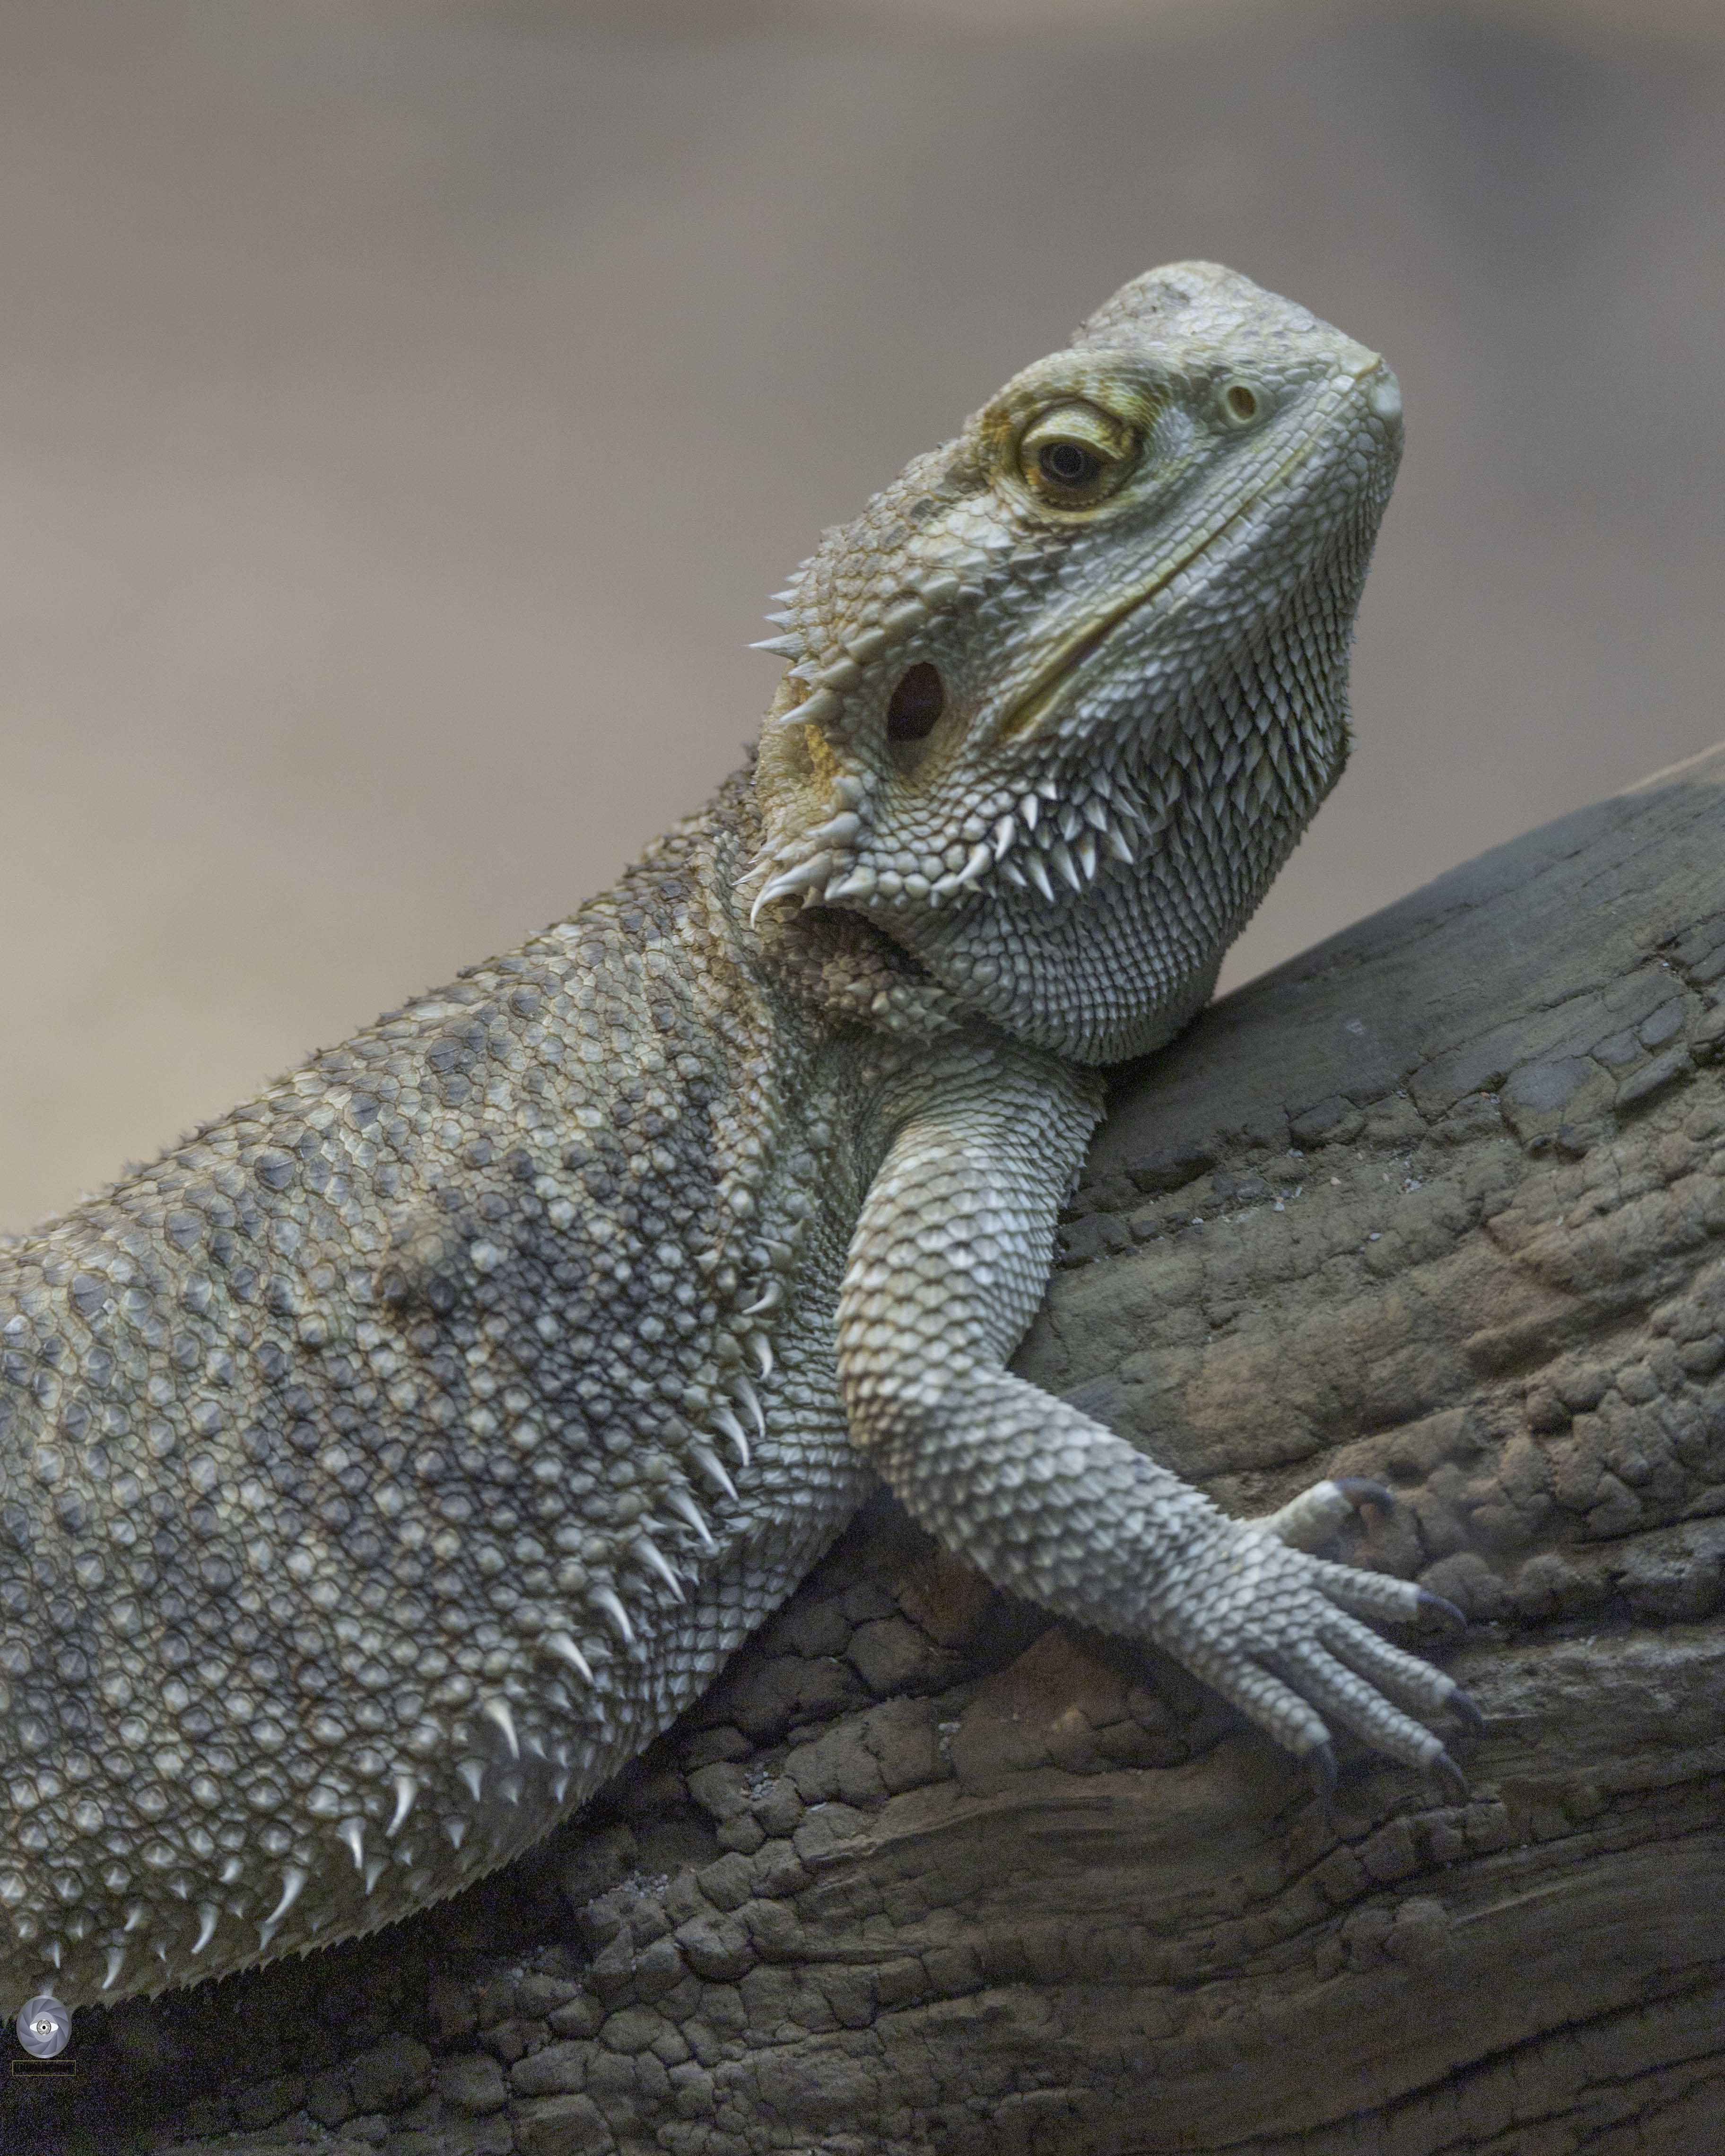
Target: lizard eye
1073	454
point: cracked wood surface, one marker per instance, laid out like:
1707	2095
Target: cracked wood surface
1442	1203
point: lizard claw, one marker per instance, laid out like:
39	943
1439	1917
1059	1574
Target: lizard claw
1443	1770
1465	1711
1360	1491
1320	1771
1433	1606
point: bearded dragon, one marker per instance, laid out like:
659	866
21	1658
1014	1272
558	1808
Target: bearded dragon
388	1463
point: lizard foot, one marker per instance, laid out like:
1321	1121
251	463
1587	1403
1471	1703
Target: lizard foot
1282	1636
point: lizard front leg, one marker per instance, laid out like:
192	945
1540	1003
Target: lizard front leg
946	1266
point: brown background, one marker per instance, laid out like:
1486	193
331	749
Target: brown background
408	407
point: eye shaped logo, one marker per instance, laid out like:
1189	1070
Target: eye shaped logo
44	2026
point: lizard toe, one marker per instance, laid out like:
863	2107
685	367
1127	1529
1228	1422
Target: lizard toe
1427	1691
1341	1695
1379	1596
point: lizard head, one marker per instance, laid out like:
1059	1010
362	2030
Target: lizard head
1065	695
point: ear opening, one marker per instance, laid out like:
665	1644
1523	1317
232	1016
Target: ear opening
916	703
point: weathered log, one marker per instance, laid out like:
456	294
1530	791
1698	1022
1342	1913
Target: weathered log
1441	1203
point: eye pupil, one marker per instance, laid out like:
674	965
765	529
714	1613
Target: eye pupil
916	703
1069	463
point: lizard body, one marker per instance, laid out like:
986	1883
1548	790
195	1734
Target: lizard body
392	1459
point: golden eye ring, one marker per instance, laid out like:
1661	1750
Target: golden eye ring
1075	454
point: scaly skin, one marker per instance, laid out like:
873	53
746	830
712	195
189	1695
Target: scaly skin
384	1466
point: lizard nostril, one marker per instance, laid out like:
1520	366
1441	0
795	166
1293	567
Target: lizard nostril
916	703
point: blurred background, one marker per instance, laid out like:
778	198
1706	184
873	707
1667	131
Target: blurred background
407	407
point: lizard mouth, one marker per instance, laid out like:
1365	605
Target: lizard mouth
1056	681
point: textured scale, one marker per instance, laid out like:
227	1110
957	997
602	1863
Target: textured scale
394	1458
